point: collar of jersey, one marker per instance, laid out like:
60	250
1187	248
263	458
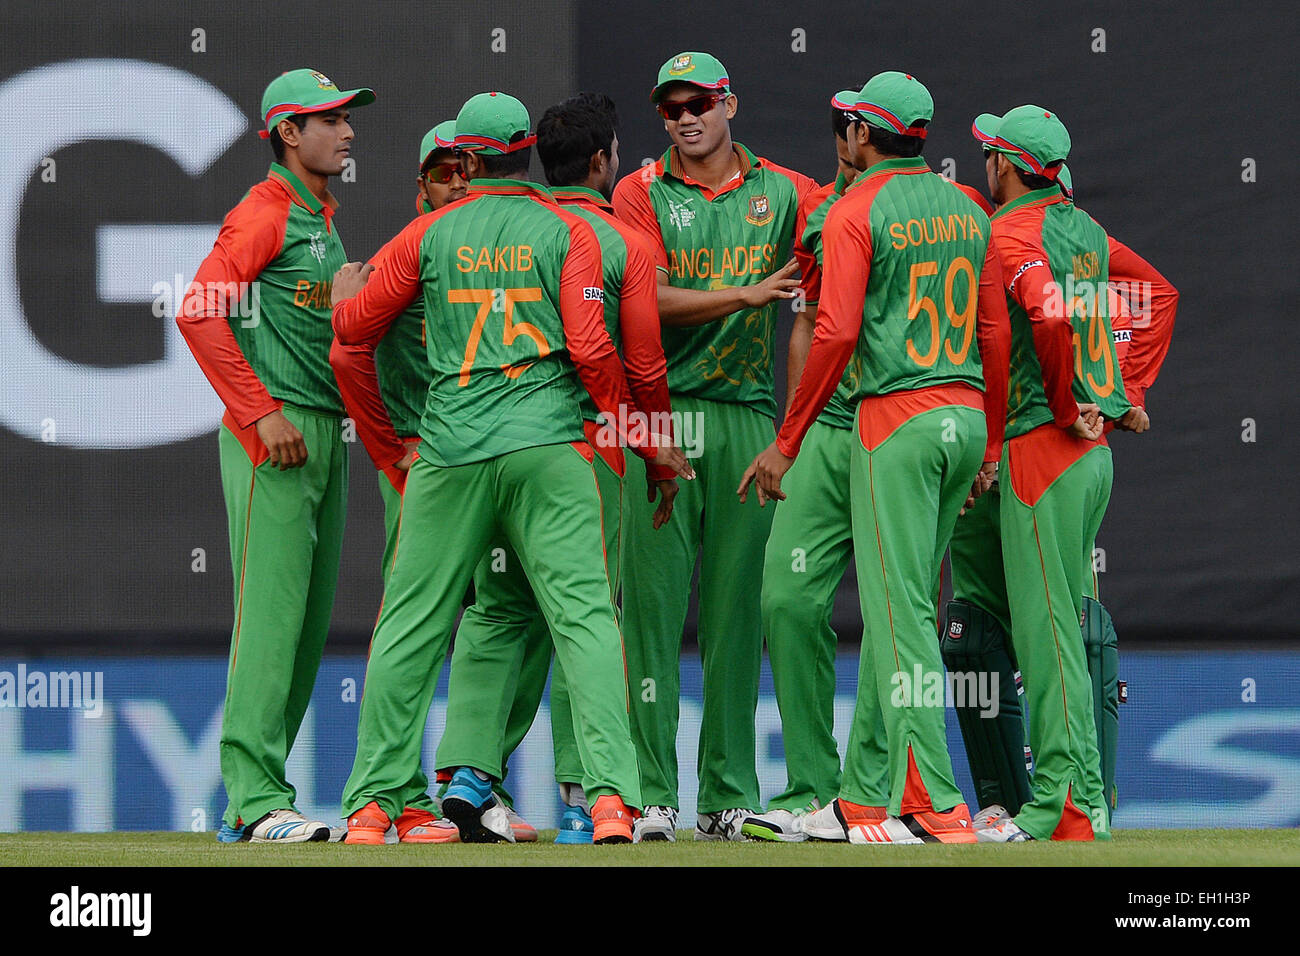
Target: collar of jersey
903	164
748	163
579	193
1035	197
839	187
298	192
510	187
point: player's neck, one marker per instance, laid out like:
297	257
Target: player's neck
714	170
317	183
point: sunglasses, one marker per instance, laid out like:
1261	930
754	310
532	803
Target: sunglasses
696	106
443	172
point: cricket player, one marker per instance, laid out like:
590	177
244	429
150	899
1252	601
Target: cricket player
901	245
401	362
724	225
283	462
977	637
1055	473
515	284
500	642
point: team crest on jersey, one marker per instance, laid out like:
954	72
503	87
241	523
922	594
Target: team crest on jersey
681	66
679	214
760	211
316	243
324	82
955	629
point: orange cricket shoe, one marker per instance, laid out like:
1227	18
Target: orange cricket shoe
952	826
422	826
368	825
612	820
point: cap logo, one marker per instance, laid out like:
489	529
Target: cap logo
324	82
681	65
760	212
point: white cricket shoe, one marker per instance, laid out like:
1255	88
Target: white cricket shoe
779	825
288	826
656	824
994	825
889	830
824	824
722	825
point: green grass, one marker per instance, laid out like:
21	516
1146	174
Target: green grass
1128	848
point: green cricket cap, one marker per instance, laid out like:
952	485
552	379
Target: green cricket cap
305	91
1034	139
896	102
699	69
1065	181
844	100
488	121
442	136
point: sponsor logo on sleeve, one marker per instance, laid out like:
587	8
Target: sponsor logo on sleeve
1011	286
593	294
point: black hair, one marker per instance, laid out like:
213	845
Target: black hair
1033	180
277	144
896	144
840	121
507	164
570	133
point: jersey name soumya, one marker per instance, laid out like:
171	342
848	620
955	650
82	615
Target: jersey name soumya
927	245
1043	228
735	237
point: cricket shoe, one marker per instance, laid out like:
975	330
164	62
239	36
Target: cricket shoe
421	826
838	820
657	824
575	826
722	824
524	831
779	825
470	804
995	825
611	820
368	826
287	826
951	826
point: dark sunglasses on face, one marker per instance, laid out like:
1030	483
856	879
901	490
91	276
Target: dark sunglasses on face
696	106
442	172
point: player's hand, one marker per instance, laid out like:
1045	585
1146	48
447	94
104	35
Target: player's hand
665	491
766	471
407	460
282	440
1134	420
350	280
667	453
1089	424
779	285
984	479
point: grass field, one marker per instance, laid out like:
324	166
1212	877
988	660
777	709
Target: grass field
1128	848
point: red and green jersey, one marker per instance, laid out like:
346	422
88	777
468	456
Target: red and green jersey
841	407
631	305
911	283
703	239
257	315
1055	263
402	363
513	299
1149	303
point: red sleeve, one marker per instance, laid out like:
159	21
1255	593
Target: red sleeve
993	333
1030	283
643	350
1121	327
1154	302
846	249
809	273
632	205
585	335
251	236
359	324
